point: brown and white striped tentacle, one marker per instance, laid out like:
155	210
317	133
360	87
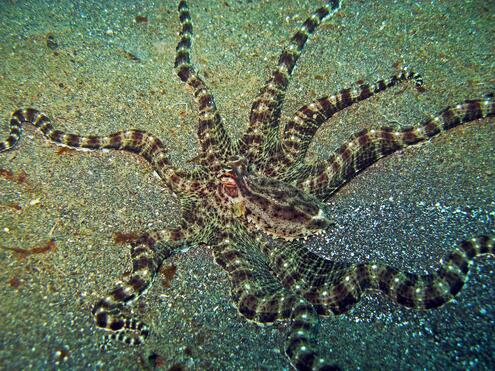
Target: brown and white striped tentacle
409	289
215	143
367	146
431	290
262	134
108	312
334	288
301	128
260	297
302	270
147	254
135	141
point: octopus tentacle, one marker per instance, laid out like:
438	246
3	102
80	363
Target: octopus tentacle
411	290
334	288
261	137
214	140
369	145
261	298
430	290
301	128
147	253
139	142
304	271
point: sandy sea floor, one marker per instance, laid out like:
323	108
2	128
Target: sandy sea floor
107	70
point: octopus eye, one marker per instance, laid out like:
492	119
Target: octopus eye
230	186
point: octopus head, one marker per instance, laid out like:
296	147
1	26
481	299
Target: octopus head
277	208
